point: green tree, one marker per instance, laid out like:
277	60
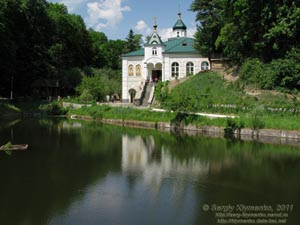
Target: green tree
240	29
210	18
8	47
99	84
133	41
112	52
69	37
99	40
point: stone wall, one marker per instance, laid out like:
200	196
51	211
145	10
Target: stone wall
262	135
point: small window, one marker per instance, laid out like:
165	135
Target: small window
177	34
130	70
175	69
204	66
190	68
154	51
138	70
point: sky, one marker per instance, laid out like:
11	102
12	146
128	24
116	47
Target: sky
116	17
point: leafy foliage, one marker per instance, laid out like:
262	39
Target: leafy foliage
161	93
281	74
42	41
53	108
243	28
133	41
99	84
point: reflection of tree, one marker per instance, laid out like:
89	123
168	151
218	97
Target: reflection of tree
236	172
257	175
54	172
64	160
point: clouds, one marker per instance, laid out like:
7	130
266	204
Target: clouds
165	33
105	13
98	14
73	4
143	28
116	17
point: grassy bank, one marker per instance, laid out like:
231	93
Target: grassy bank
254	121
211	93
19	109
205	92
6	108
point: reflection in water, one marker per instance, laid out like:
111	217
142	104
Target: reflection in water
141	157
78	173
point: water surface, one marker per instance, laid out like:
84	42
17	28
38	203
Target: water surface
81	173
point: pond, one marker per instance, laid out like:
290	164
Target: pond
84	173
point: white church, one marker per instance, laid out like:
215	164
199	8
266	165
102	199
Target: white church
158	60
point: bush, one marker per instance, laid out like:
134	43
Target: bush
99	83
281	74
233	124
86	96
161	93
255	73
53	109
256	118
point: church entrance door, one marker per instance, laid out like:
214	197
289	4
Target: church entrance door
156	75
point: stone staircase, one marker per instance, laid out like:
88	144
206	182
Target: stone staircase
145	99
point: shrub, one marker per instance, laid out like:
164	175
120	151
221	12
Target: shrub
281	74
86	96
100	83
162	92
233	124
53	108
254	72
256	118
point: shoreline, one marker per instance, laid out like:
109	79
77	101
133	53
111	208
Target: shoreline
272	136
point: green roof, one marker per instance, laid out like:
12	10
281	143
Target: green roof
180	45
155	39
172	46
139	52
179	25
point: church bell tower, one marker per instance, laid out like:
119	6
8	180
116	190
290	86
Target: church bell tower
179	29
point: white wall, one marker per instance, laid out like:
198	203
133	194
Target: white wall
131	82
134	82
182	33
148	52
182	60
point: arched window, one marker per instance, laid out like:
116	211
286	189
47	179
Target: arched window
130	70
204	66
154	51
138	70
175	69
190	68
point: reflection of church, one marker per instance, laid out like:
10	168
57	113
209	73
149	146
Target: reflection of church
139	157
158	60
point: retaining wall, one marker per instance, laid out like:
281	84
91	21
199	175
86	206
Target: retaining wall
262	135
